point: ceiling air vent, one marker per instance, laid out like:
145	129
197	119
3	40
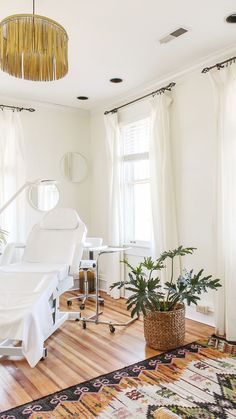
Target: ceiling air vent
175	34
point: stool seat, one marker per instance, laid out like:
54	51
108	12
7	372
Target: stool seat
87	264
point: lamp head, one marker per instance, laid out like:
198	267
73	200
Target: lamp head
44	182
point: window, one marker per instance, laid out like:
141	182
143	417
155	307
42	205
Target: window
12	174
136	179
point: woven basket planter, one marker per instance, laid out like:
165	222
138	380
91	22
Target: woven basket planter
165	330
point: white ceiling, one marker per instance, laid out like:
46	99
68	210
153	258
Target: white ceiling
119	38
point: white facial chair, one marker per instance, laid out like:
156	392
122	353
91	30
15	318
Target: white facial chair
54	246
57	239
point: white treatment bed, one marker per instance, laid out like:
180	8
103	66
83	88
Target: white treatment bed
30	290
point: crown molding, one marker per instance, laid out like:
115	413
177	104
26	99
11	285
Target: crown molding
177	77
9	100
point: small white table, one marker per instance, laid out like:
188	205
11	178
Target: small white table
92	249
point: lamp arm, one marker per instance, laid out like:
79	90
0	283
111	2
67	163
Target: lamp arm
14	196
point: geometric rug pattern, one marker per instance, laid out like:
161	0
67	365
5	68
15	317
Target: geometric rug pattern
194	381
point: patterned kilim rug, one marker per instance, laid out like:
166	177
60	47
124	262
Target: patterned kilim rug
195	381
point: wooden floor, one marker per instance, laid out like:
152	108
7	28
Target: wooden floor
76	355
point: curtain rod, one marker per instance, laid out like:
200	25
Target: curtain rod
156	92
219	65
18	108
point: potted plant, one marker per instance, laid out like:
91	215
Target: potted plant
163	306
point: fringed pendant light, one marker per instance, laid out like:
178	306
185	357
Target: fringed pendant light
33	47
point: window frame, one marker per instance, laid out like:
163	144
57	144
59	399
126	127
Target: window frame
135	157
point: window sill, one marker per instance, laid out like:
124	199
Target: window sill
138	245
138	250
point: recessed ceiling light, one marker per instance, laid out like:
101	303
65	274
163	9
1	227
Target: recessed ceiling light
116	80
231	18
82	97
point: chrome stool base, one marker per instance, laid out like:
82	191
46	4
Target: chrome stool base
86	266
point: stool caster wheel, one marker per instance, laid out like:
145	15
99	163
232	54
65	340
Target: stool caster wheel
84	325
101	303
112	329
82	306
69	303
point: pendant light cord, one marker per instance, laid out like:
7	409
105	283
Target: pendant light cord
33	7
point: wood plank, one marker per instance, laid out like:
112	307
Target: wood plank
76	355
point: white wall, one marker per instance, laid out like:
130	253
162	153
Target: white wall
193	136
49	133
52	131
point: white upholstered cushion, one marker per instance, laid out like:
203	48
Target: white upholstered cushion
60	219
50	246
57	239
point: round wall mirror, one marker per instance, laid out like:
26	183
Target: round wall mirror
74	167
43	197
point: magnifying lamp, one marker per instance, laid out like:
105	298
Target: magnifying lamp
27	184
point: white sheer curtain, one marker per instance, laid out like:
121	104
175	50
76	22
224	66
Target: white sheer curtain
165	235
224	83
114	269
12	173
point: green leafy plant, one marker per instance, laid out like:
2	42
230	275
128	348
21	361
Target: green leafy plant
149	295
3	234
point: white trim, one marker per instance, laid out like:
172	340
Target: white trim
139	251
192	314
34	103
138	244
136	156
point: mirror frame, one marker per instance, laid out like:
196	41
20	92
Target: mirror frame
32	203
82	158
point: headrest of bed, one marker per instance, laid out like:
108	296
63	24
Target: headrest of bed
60	219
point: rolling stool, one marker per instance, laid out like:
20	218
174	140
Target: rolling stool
92	245
85	266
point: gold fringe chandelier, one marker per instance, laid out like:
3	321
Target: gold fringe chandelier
33	47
